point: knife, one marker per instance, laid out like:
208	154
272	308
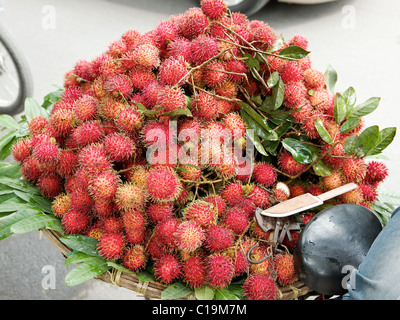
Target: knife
305	201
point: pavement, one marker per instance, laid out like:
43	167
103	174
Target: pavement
359	38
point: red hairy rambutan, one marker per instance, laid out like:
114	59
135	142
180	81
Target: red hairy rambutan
170	99
119	85
214	74
156	133
87	133
62	121
295	95
218	238
46	153
104	185
111	246
264	174
260	197
303	114
220	270
333	181
67	163
315	190
119	147
189	236
369	192
263	36
214	9
336	157
180	47
141	77
163	184
147	56
81	200
299	40
354	170
85	108
135	236
21	150
193	23
217	202
129	37
235	124
284	267
50	186
297	190
129	197
75	221
95	232
205	107
129	120
289	164
61	205
134	258
173	71
321	100
238	68
157	212
92	159
231	192
194	272
203	48
112	224
313	79
353	197
165	32
103	208
376	172
30	169
110	108
167	268
37	125
236	219
201	212
133	219
291	72
190	169
260	287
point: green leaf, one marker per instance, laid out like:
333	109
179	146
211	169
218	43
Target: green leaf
36	222
10	170
19	184
6	151
8	122
339	108
224	294
42	203
276	99
385	138
178	112
366	141
81	243
86	270
175	291
256	141
119	267
321	169
257	122
13	205
145	276
204	293
251	62
349	125
365	108
76	257
33	109
300	152
52	98
7	222
350	98
323	133
273	79
349	145
331	79
293	52
236	289
278	44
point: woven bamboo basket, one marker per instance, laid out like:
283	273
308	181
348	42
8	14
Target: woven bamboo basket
152	290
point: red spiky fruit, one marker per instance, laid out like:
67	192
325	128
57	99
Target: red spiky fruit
220	270
231	192
236	219
263	36
62	121
85	108
21	150
141	77
260	287
189	236
193	23
190	169
217	202
173	71
295	95
133	220
129	120
314	79
205	107
93	159
353	197
297	190
369	192
155	133
38	125
264	174
201	212
289	164
354	170
67	163
81	200
147	56
284	268
119	85
167	268
46	153
260	197
214	9
235	124
166	229
163	184
87	133
130	197
218	238
376	172
336	157
104	185
50	186
170	99
112	224
321	100
299	40
30	169
135	236
95	232
213	74
134	258
75	221
204	47
111	246
61	205
119	147
333	181
194	272
291	72
103	208
157	212
179	47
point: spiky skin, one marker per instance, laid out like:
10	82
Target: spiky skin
119	85
67	163
205	107
130	197
235	124
217	202
332	181
21	150
61	205
166	229
284	267
260	197
193	24
157	212
163	184
93	159
201	212
236	220
214	9
133	220
194	272
264	174
87	133
85	108
220	270
147	56
214	74
369	192
354	170
218	238
119	147
134	258
46	153
62	122
103	208
260	287
170	99
352	197
75	221
81	200
111	246
289	164
231	192
173	71
50	186
104	185
129	120
135	236
112	224
167	268
314	79
203	48
189	236
376	172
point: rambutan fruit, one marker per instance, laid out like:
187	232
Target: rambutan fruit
95	232
236	219
129	197
260	287
83	70
103	208
92	159
205	107
291	72
235	124
246	204
141	77
220	270
190	169
150	93
173	71
170	99
263	36
284	268
156	133
37	125
147	56
217	202
162	184
315	190
109	109
264	174
20	150
138	176
67	164
129	37
227	89
295	95
129	120
354	170
228	167
333	181
194	272
369	192
75	221
61	205
189	236
303	114
112	224
237	68
133	220
296	190
299	40
111	246
218	238
257	232
85	108
201	212
214	74
214	9
289	164
47	153
135	236
50	186
134	258
321	100
62	122
376	172
119	85
231	192
193	23
81	200
104	185
336	157
119	147
352	197
257	254
313	79
260	197
87	133
157	212
203	48
167	268
166	31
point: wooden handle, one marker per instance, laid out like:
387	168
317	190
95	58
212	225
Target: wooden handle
338	191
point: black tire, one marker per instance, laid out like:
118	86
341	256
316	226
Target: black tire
23	72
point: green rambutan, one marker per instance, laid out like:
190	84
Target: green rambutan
220	270
167	268
134	258
111	246
163	184
260	287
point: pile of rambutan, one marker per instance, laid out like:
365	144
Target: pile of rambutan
146	150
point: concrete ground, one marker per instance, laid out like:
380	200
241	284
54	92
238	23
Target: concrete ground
359	38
